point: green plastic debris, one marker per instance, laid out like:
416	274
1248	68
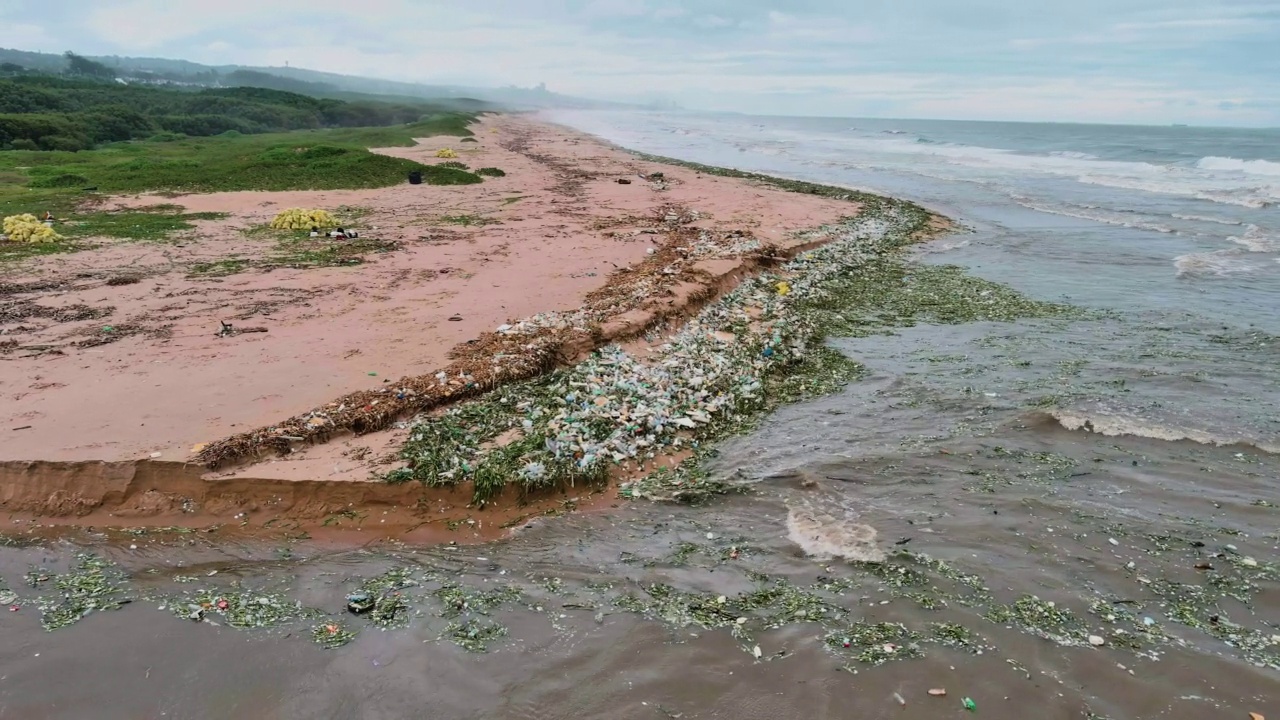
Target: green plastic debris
969	705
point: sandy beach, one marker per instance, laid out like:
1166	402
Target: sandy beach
132	368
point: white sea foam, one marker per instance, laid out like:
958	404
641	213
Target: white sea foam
1095	214
1248	167
1218	263
1252	201
1117	425
823	536
1073	155
1255	239
1206	218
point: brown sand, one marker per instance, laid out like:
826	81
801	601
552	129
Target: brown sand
561	225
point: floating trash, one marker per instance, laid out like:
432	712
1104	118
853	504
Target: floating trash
92	584
332	635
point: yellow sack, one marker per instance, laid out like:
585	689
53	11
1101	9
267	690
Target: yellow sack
446	153
784	288
299	219
27	228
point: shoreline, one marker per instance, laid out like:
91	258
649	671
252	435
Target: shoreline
710	267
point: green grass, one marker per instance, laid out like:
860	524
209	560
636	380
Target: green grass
467	220
68	184
491	172
302	160
220	268
134	225
297	250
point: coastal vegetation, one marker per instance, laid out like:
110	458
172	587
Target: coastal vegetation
65	141
42	112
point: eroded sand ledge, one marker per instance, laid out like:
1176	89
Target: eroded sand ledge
128	418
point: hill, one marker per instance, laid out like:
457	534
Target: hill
311	82
43	112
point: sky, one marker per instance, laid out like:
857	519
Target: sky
1132	61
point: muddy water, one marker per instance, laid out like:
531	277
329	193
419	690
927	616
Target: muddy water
1075	518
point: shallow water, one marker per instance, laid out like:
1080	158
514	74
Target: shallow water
995	468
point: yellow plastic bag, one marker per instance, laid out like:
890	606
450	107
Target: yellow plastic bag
784	288
446	153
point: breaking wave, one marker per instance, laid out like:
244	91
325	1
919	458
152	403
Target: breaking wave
1117	425
1255	239
1218	263
1095	214
1206	218
1248	167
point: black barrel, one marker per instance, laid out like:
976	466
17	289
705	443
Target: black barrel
415	177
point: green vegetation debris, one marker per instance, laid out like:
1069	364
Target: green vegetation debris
475	635
92	584
381	599
239	608
332	635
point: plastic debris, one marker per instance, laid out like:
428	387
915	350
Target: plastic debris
331	635
359	603
969	704
241	609
1096	640
938	692
92	584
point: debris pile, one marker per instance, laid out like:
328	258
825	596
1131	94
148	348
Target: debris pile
240	608
616	409
514	352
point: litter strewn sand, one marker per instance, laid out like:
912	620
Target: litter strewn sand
559	224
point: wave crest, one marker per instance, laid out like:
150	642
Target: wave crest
1118	425
1248	167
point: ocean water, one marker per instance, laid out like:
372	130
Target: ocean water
1175	228
1091	463
1152	217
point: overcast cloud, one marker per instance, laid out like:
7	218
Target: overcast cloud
1160	61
